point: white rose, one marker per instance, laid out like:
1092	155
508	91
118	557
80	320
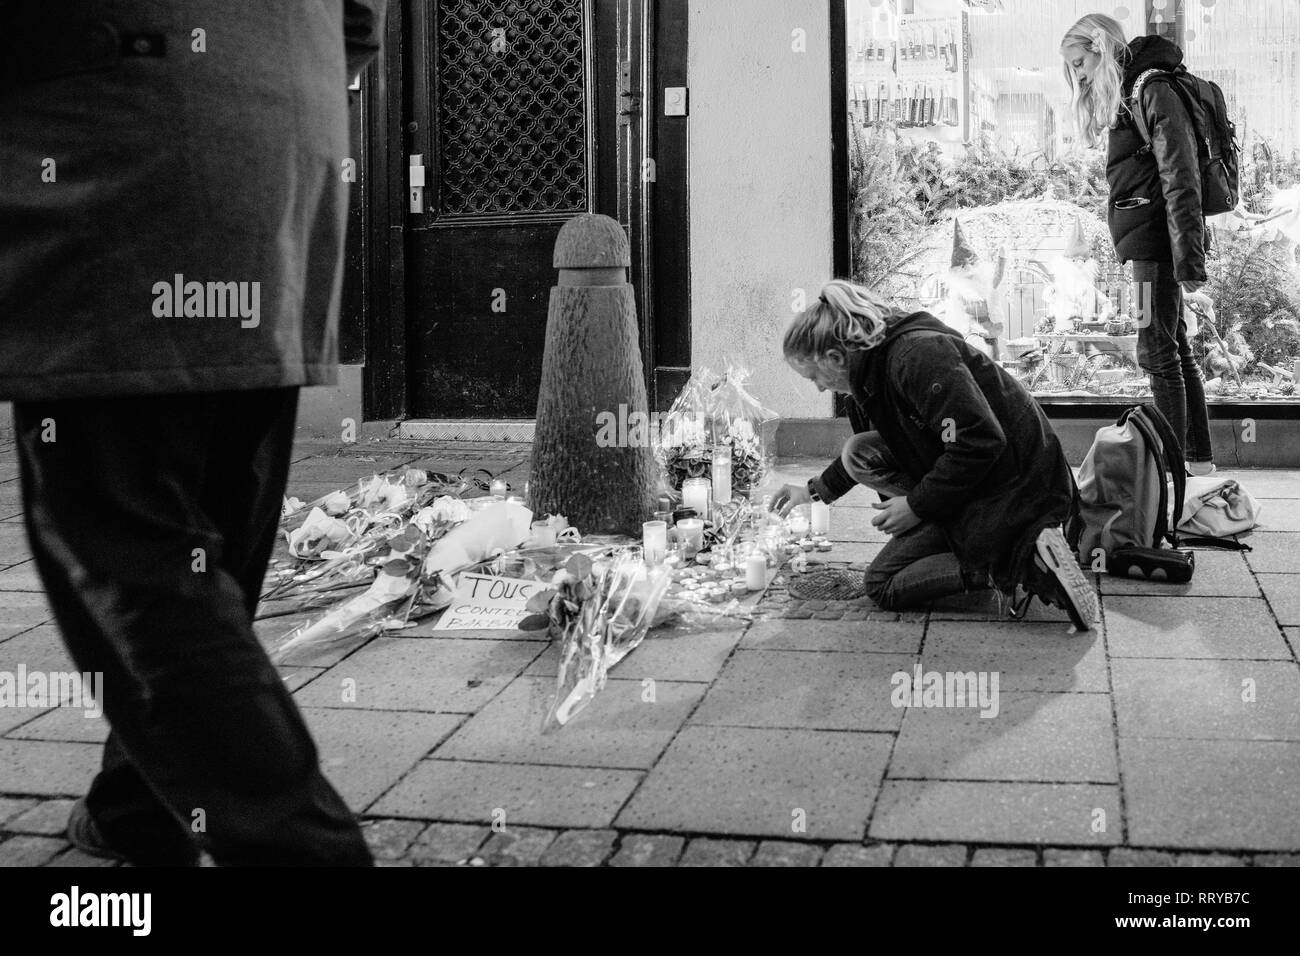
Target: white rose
337	504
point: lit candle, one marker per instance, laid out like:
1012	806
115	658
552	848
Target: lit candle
797	523
499	487
695	495
654	539
722	473
821	517
692	532
756	571
543	534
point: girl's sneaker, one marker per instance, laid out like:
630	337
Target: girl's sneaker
1055	578
1199	469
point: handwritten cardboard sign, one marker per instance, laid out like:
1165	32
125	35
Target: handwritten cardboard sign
490	603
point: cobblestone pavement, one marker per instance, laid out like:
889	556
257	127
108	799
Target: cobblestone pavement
1168	736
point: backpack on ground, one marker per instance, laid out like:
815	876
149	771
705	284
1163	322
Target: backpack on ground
1123	522
1217	148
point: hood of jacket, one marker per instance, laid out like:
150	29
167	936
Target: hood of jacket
1150	53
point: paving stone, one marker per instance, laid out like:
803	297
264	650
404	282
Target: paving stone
665	655
1275	859
854	854
447	843
824	691
1208	859
1211	794
566	797
21	577
433	674
41	768
1221	627
755	781
917	854
648	849
48	818
319	655
885	636
1124	856
64	723
1273	552
517	846
1054	856
797	614
620	728
426	627
30	850
854	524
985	606
1030	657
1218	574
363	753
786	853
580	848
1006	813
998	856
79	858
707	852
390	839
1283	593
1204	699
11	807
1278	514
295	678
1036	737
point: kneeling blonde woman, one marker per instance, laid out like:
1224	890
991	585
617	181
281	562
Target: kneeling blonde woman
973	484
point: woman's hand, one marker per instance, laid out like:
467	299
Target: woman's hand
790	497
896	516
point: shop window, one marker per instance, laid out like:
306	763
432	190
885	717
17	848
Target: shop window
969	196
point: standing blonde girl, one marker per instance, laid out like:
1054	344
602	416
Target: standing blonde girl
1154	212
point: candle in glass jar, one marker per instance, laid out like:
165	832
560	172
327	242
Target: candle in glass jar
499	488
756	571
722	473
695	495
654	540
821	517
797	523
543	534
692	535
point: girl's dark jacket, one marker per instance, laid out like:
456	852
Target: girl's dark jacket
1155	199
1001	479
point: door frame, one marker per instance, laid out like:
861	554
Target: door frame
655	215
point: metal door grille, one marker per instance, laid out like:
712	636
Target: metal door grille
512	112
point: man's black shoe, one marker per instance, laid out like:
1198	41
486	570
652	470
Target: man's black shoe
1055	578
85	835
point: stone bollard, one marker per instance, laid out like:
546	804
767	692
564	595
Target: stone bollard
592	365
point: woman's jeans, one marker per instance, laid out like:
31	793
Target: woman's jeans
916	567
1165	354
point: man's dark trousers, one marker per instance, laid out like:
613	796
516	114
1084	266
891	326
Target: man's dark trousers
151	522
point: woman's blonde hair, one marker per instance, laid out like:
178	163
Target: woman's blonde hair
1096	106
845	316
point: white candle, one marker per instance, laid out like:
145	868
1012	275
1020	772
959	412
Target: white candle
499	488
692	532
543	535
821	517
695	495
654	539
797	523
722	473
756	571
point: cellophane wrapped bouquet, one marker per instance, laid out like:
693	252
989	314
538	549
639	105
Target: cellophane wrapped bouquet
598	612
717	410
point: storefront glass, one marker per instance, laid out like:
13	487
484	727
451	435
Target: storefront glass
970	195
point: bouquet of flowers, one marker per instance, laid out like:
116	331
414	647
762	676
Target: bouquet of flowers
599	613
716	411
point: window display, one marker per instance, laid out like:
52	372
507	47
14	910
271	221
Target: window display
972	196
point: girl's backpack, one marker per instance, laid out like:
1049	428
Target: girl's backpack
1124	493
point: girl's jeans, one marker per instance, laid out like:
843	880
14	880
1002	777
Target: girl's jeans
1165	354
913	568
